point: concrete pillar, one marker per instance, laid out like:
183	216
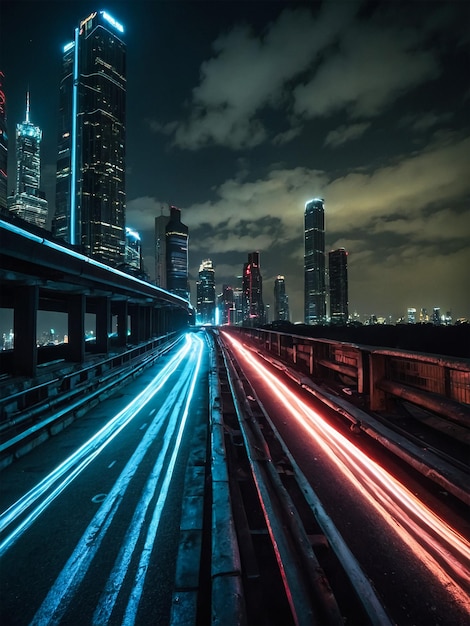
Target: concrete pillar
377	372
76	307
120	308
103	322
25	352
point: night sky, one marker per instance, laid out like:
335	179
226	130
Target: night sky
240	112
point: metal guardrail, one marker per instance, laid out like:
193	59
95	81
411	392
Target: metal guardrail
433	382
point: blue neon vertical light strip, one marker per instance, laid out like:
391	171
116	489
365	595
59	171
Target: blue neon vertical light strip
73	147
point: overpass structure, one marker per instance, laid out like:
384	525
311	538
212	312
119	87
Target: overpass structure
39	274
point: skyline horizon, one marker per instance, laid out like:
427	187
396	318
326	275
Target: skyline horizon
398	204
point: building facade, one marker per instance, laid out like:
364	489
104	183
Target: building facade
314	262
133	255
176	243
28	201
281	300
161	222
90	185
3	148
252	287
339	304
205	293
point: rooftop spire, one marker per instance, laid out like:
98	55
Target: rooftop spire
27	106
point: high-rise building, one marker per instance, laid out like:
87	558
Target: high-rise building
411	315
314	262
281	300
3	148
176	243
28	201
205	293
227	305
338	267
252	286
436	316
90	186
133	256
161	223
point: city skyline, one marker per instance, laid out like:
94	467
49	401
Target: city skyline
307	111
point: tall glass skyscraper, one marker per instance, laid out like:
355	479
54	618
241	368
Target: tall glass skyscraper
3	148
161	223
90	187
205	295
176	238
252	286
281	300
314	262
28	201
338	266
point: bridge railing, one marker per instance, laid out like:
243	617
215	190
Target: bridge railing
434	382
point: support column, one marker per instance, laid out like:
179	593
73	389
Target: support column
103	318
122	322
25	314
76	328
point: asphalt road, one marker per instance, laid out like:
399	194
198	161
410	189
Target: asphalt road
97	539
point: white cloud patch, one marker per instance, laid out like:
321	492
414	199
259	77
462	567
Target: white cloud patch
341	135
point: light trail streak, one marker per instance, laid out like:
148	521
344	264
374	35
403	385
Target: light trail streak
137	590
66	586
81	458
431	539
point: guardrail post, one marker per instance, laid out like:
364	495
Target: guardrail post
377	372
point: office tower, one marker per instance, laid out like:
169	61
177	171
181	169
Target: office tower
314	262
423	316
436	316
161	223
227	305
3	148
281	300
338	266
176	242
205	293
90	186
252	286
133	250
28	201
411	315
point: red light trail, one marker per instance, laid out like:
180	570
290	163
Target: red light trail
444	551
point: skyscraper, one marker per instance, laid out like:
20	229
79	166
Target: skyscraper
205	295
338	266
133	254
281	300
314	262
28	201
252	286
3	148
90	188
161	223
176	238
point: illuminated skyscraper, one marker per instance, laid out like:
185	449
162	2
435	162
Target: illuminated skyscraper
252	286
205	295
28	201
3	148
338	266
161	223
176	236
314	262
133	254
281	300
90	188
